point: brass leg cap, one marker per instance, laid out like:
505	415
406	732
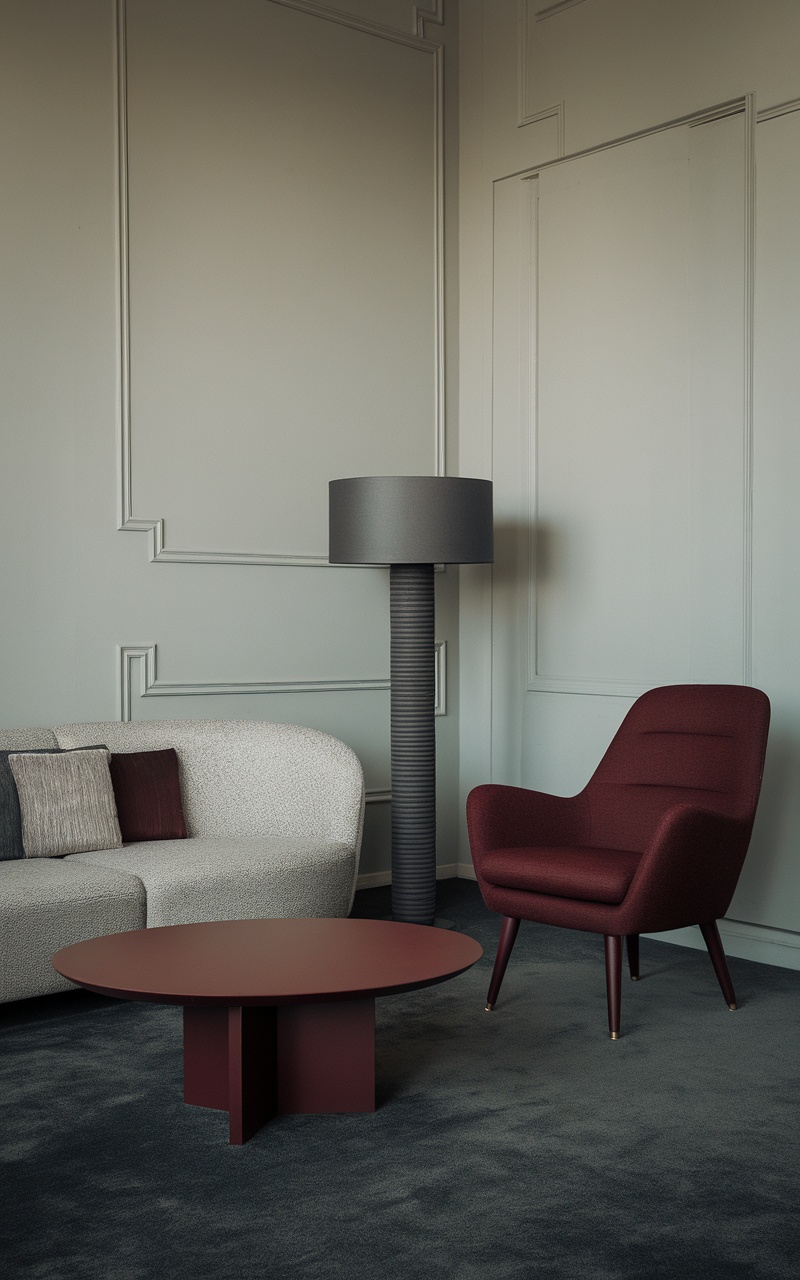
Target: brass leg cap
489	1007
615	1035
732	1008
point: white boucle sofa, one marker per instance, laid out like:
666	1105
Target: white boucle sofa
274	814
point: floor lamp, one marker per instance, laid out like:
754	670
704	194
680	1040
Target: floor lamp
412	523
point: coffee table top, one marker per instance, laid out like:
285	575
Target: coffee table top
244	962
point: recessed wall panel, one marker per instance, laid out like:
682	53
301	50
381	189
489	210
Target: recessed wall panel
613	422
282	265
769	890
639	427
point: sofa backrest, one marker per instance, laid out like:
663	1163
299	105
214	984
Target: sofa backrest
248	777
26	739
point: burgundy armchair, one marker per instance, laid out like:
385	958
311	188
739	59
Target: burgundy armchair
656	840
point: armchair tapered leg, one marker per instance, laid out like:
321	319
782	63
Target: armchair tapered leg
508	936
632	943
613	981
713	941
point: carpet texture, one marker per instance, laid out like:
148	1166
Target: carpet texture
521	1143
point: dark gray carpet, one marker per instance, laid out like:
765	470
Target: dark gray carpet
521	1143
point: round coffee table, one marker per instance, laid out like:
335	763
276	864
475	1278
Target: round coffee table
279	1015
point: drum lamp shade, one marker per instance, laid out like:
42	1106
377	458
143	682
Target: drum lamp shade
410	520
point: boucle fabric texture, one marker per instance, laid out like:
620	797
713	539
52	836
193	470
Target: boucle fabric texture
25	739
147	792
249	777
66	801
274	814
46	904
208	878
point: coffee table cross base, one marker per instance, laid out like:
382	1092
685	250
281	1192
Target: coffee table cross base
258	1061
279	1015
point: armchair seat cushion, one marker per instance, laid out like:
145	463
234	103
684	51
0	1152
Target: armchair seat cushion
586	873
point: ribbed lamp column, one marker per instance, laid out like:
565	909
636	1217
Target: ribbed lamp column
412	523
413	742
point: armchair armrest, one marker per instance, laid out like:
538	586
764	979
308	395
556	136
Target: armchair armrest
688	873
500	817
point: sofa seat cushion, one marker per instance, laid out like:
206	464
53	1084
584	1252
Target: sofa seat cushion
237	878
49	903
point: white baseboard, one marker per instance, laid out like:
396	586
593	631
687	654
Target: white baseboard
444	871
740	938
746	941
373	879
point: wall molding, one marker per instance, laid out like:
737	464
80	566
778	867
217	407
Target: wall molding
731	107
555	112
551	10
537	683
150	686
781	109
421	15
749	249
594	688
433	13
524	116
155	527
440	679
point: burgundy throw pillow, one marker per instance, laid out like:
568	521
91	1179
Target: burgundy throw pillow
148	795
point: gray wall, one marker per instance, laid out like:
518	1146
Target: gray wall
262	286
223	241
630	317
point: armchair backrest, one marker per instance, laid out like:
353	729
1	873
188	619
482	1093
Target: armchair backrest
699	744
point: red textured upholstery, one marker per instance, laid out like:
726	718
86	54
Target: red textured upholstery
593	875
657	838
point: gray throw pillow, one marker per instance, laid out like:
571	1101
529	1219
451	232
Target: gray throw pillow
10	817
66	801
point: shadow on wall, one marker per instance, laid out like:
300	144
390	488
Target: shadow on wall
518	545
777	821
